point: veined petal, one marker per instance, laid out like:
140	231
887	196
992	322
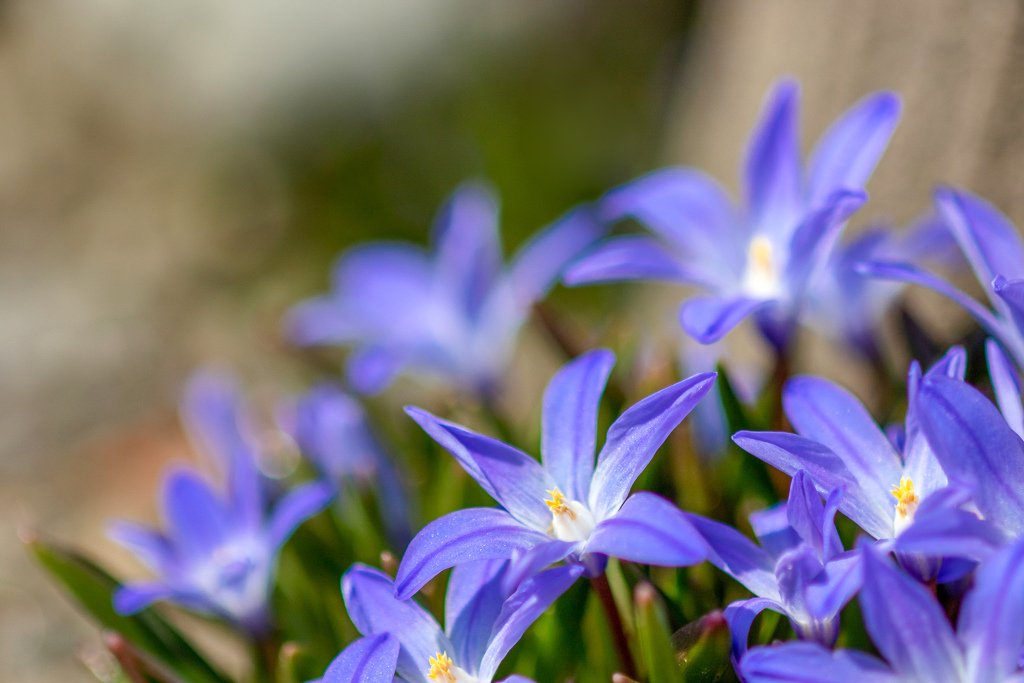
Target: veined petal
976	448
773	530
526	563
629	257
811	663
846	155
467	244
824	412
517	481
835	586
709	318
988	240
740	615
805	512
906	623
370	600
368	660
569	421
539	262
790	452
197	520
648	529
459	537
294	508
911	274
1011	294
1006	385
949	533
991	622
476	592
737	556
772	183
521	610
635	436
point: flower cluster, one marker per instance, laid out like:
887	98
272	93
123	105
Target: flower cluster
897	554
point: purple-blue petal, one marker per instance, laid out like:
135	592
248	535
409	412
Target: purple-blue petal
368	660
907	624
738	556
805	513
636	435
147	544
629	257
514	479
991	621
196	518
135	597
476	593
911	274
569	421
1011	294
648	529
772	172
811	663
709	318
459	537
1006	386
740	615
847	153
773	531
814	238
294	508
539	262
520	611
370	600
371	369
976	448
791	452
988	240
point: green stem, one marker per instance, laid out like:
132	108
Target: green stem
604	593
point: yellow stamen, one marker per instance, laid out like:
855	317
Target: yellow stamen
905	496
441	668
760	256
557	504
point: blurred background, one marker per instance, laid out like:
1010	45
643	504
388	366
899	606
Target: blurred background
174	175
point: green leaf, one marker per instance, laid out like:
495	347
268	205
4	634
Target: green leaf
93	588
653	634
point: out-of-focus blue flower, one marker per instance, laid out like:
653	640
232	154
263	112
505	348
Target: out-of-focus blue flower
801	569
486	613
889	483
566	507
996	254
910	630
218	551
760	256
333	432
847	306
453	313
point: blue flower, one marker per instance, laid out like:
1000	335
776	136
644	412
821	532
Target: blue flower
454	313
758	257
892	486
331	429
218	551
801	569
995	251
910	630
565	507
487	610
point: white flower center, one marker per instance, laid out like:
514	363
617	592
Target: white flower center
906	505
570	519
443	670
761	278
